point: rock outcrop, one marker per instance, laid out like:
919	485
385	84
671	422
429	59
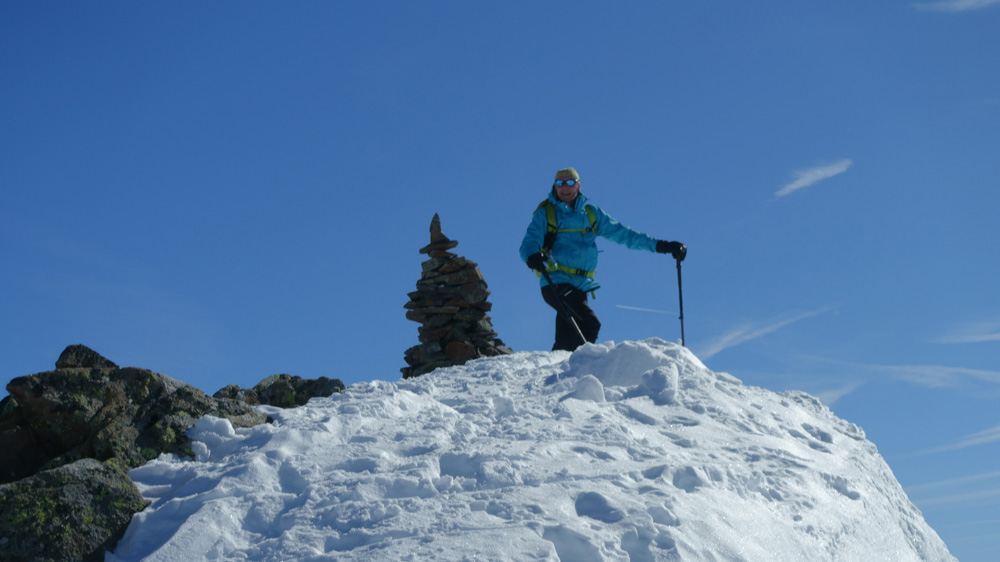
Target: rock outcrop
68	437
82	357
96	410
73	512
283	391
450	304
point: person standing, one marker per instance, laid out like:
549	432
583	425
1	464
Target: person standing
560	244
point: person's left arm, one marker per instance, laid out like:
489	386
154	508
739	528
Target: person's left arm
608	227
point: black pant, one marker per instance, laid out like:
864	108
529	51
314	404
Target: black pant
575	301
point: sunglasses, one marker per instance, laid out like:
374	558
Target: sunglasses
571	183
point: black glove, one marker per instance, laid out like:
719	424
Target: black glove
676	249
536	262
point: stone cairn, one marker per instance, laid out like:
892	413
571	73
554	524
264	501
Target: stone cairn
450	304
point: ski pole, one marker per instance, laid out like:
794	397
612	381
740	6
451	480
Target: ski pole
680	294
565	308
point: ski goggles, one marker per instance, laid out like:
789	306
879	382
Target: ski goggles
571	183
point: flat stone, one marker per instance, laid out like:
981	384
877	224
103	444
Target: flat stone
438	246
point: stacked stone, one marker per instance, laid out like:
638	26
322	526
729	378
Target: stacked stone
450	304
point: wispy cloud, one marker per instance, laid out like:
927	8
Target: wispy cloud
979	381
985	437
978	496
807	177
965	489
955	5
939	376
747	332
961	481
829	397
972	333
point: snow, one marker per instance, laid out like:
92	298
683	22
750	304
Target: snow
632	451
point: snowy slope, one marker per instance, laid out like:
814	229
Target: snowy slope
633	451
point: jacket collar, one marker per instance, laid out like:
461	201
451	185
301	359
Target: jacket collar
578	204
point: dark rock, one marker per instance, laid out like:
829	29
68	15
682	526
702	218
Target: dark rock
130	414
234	392
67	438
286	391
283	391
460	350
74	512
239	413
82	357
440	243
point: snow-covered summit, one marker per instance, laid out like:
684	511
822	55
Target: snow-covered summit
634	451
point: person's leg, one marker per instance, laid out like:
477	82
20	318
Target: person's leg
585	316
567	337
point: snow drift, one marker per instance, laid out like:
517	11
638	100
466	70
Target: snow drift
633	451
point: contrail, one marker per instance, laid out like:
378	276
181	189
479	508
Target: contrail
645	309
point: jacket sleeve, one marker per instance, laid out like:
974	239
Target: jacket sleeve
608	227
534	237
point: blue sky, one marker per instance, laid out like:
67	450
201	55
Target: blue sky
225	191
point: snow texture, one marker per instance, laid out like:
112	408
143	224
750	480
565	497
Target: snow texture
634	451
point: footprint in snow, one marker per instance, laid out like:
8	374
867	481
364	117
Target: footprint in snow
688	479
596	506
571	545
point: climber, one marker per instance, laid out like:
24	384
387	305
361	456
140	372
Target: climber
560	245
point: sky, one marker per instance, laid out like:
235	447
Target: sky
228	191
621	451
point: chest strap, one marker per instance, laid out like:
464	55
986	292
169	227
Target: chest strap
552	229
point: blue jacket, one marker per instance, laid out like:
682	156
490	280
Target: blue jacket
578	250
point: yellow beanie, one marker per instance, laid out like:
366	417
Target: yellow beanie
567	173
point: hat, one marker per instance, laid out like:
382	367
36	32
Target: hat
568	172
